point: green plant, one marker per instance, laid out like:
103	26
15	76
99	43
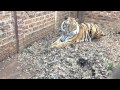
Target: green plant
110	66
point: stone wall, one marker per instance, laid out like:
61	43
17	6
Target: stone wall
109	18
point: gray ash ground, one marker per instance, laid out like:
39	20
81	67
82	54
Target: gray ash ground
42	61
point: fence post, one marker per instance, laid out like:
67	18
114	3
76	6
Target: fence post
16	30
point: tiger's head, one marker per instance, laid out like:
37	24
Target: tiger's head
98	34
70	23
70	20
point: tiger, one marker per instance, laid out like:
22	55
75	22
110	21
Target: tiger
73	32
88	32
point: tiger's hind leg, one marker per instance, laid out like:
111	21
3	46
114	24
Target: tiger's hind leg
89	38
88	31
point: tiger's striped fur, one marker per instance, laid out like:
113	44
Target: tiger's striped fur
87	32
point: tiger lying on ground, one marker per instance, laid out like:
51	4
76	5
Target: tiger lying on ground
74	32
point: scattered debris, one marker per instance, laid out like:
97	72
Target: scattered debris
63	62
82	62
118	33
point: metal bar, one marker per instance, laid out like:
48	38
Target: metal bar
16	30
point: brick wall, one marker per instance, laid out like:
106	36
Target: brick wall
32	25
7	36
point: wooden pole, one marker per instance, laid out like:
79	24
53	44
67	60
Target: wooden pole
16	30
81	16
55	19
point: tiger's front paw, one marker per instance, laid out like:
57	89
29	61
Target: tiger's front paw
77	41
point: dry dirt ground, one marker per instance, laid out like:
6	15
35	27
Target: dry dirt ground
41	61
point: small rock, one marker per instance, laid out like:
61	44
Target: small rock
82	62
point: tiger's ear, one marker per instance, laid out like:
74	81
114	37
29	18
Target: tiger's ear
77	19
66	18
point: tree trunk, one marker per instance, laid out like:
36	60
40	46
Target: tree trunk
81	16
